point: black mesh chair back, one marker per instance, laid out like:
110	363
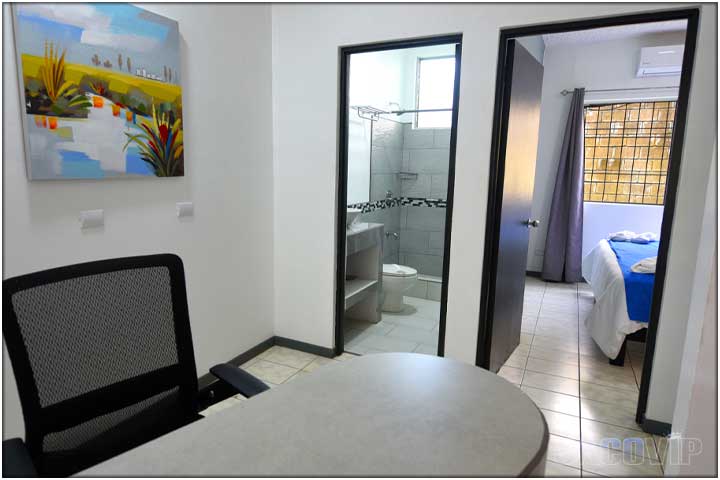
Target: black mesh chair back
102	355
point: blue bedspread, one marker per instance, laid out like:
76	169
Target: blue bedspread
638	286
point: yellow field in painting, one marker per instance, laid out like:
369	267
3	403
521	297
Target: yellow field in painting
118	82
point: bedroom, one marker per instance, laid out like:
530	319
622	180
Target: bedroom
608	103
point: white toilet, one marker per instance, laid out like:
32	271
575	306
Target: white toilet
396	280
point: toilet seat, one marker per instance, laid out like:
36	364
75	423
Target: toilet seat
395	270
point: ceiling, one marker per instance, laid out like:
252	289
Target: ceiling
613	33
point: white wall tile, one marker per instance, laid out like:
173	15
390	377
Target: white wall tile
429	160
442	137
414	241
425	218
433	291
418	138
439	186
419	186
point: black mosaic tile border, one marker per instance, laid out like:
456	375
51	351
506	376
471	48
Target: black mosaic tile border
368	207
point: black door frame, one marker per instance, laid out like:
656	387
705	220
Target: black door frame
497	170
344	54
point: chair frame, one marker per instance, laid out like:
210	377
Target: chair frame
40	421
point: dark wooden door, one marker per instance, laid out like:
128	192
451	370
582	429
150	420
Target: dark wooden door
522	117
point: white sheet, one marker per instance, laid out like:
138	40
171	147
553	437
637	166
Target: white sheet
608	322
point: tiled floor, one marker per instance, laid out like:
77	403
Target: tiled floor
585	400
278	365
415	329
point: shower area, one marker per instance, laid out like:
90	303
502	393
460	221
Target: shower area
408	189
398	162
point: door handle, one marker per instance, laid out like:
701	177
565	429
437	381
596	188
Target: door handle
531	223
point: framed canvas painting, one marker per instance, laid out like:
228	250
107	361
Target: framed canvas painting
100	89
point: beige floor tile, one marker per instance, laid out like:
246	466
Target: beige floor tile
245	365
511	374
427	349
552	368
555	320
564	451
299	374
601	393
590	474
516	360
271	372
556	344
613	463
380	328
319	362
554	355
412	334
345	356
551	382
562	425
227	403
611	436
522	348
557	332
557	402
558	470
526	338
661	444
528	324
622	379
608	413
382	343
287	356
593	359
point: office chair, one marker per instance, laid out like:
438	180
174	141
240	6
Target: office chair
103	359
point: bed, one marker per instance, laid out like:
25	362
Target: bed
622	297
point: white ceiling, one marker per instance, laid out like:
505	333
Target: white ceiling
613	33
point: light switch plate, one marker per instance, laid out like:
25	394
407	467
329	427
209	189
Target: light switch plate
92	218
185	209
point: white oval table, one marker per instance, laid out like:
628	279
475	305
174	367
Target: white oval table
394	414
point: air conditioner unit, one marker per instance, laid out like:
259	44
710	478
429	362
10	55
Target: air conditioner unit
660	61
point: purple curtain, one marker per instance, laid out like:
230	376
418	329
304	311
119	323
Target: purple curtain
563	245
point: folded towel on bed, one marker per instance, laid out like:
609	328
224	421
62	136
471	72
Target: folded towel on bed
646	265
644	238
622	236
630	236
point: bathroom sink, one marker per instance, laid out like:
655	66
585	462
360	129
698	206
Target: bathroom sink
352	215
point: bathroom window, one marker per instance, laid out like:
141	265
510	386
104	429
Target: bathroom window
435	85
627	152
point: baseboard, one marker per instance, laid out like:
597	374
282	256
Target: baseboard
656	428
305	347
533	274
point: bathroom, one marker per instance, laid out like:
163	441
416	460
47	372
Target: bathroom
399	120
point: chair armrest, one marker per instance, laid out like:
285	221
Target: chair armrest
16	461
246	384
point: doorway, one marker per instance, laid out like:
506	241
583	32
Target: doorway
398	129
498	288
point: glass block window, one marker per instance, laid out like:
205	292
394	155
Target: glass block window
627	150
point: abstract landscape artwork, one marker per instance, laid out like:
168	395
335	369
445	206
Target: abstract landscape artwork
100	86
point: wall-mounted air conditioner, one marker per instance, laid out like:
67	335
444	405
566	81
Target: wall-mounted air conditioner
660	61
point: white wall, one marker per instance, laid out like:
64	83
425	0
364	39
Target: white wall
688	229
600	65
695	415
600	219
226	246
305	96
